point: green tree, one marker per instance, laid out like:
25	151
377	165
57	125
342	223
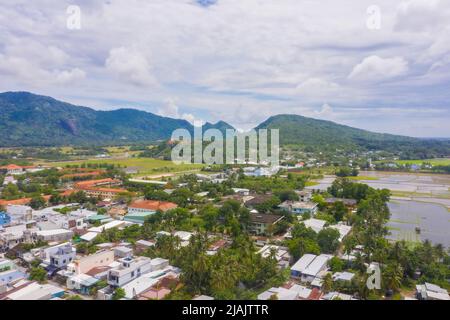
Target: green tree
38	274
328	240
119	293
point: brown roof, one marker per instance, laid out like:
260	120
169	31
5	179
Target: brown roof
258	199
93	183
11	167
96	270
153	205
21	201
264	218
315	294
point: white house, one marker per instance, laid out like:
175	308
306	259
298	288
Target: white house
430	291
128	270
309	267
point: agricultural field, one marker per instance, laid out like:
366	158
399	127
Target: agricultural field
143	165
434	162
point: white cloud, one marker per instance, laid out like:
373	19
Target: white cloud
171	110
69	76
374	68
130	65
240	61
317	87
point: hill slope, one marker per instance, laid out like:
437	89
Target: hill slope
32	120
320	134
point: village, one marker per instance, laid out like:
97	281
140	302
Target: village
228	232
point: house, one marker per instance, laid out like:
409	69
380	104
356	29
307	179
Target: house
147	207
143	245
152	285
10	276
298	207
351	203
241	191
299	165
255	200
184	236
430	291
95	231
58	256
54	235
123	252
4	218
260	172
101	218
343	276
101	188
308	267
294	292
281	254
315	224
81	283
337	296
12	236
343	229
12	169
128	270
262	223
19	212
203	297
86	263
304	196
36	291
8	180
117	212
9	273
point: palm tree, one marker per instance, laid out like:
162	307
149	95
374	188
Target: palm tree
393	276
327	284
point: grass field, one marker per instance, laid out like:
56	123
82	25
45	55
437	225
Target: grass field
434	162
144	165
358	178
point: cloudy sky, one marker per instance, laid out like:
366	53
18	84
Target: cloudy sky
238	60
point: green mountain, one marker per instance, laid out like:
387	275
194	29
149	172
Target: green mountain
327	135
27	119
31	120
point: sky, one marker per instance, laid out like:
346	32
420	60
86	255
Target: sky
380	65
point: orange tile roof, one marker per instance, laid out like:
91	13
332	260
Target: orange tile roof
21	201
11	167
112	190
153	205
92	183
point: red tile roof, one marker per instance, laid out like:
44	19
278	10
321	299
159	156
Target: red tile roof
153	205
21	201
315	294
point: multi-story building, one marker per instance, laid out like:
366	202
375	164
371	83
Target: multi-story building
129	269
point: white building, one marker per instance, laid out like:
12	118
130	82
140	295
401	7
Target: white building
430	291
59	256
128	270
309	267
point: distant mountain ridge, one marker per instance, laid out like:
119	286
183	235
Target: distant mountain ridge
28	119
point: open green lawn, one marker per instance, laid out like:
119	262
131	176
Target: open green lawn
144	165
434	162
